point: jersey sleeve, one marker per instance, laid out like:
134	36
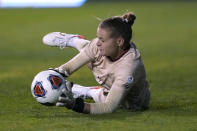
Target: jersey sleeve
112	101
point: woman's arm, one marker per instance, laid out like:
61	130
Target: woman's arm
75	63
85	56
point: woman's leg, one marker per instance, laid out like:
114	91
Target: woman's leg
63	40
93	92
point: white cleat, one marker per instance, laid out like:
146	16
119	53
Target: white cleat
58	39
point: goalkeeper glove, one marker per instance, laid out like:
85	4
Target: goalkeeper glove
67	100
60	71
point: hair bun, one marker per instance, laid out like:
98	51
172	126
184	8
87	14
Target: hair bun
129	18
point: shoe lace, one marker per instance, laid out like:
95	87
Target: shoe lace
62	42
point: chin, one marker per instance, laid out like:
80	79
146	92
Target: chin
101	53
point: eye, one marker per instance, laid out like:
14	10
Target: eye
100	39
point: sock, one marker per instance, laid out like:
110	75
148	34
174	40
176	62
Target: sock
79	91
86	92
77	42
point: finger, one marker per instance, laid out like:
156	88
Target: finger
64	91
60	104
69	85
63	99
57	69
67	93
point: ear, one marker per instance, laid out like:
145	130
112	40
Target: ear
120	41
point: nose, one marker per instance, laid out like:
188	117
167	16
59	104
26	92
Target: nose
98	43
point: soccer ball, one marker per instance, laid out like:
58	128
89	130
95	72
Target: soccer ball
47	87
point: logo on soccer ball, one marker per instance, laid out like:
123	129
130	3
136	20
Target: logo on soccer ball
56	81
39	90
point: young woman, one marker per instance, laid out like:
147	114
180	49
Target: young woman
115	62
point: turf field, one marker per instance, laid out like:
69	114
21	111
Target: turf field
164	32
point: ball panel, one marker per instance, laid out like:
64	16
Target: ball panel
39	90
56	81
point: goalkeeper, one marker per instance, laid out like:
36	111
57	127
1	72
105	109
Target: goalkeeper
115	62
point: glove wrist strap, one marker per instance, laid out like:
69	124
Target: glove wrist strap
79	105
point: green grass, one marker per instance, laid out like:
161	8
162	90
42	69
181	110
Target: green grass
164	32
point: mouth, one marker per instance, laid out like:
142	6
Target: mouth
99	49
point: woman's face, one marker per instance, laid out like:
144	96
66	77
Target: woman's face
107	45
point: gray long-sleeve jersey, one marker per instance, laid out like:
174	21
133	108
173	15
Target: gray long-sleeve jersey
124	80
